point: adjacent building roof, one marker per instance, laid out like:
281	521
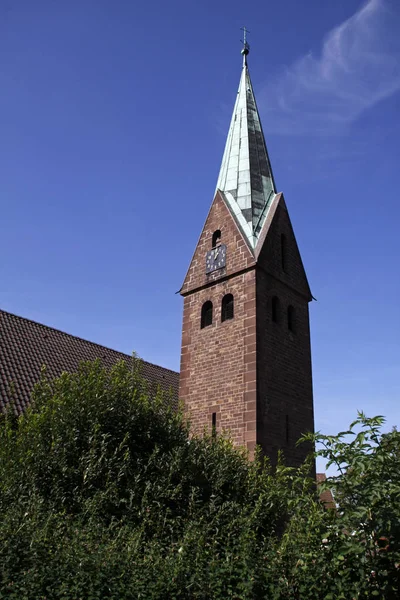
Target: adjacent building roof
326	496
246	175
25	346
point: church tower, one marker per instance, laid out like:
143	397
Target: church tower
246	355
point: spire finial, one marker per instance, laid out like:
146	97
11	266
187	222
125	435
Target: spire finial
246	48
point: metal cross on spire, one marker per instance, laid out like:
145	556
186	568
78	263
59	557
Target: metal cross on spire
245	176
246	47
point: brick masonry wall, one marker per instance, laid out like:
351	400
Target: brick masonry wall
269	249
284	377
238	256
284	380
253	373
218	363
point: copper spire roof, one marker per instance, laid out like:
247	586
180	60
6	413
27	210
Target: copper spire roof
246	176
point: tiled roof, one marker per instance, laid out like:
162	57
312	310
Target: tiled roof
25	346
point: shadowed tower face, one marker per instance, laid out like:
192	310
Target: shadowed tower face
246	357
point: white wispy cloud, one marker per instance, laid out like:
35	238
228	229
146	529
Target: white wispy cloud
358	66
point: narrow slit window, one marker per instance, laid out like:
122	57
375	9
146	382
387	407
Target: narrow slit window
287	429
291	320
283	252
227	308
216	238
206	314
275	309
214	424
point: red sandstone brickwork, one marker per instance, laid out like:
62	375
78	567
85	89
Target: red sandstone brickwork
252	372
218	363
284	381
268	251
284	378
238	256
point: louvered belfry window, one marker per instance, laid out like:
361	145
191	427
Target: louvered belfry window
206	314
227	308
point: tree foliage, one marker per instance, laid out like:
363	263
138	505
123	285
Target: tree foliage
104	494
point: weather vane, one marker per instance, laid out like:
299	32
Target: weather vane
246	47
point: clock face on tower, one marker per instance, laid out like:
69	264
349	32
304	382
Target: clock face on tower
216	258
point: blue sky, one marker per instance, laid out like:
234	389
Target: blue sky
113	118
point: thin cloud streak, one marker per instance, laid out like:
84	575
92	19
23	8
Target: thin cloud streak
359	66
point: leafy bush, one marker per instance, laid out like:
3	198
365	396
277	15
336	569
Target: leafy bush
104	494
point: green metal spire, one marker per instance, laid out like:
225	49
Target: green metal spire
246	176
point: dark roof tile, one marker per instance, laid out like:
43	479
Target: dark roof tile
25	346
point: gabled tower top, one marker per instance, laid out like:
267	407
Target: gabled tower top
245	176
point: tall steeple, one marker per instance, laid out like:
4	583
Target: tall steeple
246	355
245	176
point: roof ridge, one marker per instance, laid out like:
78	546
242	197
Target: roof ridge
83	339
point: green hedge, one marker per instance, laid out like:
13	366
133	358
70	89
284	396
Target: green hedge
104	494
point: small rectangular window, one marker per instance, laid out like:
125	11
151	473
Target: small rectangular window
275	309
291	319
214	423
287	429
283	252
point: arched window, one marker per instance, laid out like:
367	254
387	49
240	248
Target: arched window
227	308
275	309
283	252
216	238
206	314
291	319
